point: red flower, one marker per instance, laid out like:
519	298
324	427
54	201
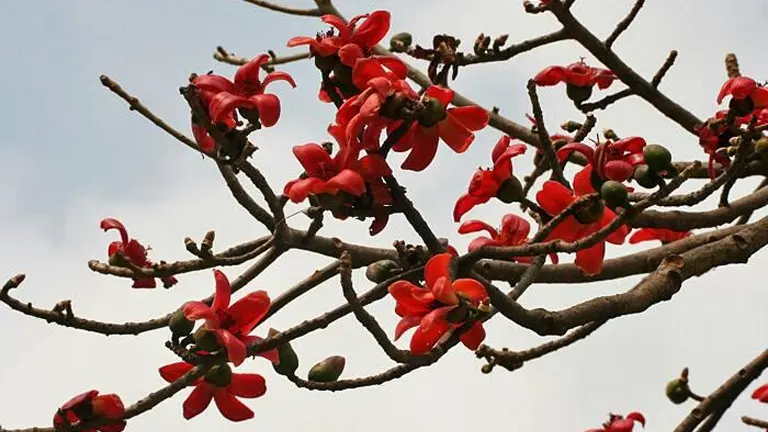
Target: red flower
454	126
344	172
246	93
663	234
761	393
715	135
442	306
134	252
613	160
487	183
513	232
231	325
746	95
554	198
352	42
575	74
617	423
364	111
90	406
221	385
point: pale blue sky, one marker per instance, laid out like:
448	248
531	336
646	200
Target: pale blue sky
74	154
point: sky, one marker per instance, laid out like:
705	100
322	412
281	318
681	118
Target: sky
74	154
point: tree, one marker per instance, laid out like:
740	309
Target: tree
361	179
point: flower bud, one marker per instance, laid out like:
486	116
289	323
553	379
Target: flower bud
591	214
205	340
288	360
571	126
326	64
510	191
609	134
219	375
117	259
382	270
677	391
742	107
434	112
657	157
400	42
761	145
645	177
614	194
328	370
578	94
393	106
179	324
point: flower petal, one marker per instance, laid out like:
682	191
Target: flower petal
424	149
112	223
350	53
761	393
436	268
554	197
443	95
174	371
738	87
465	203
472	289
236	350
432	327
314	159
473	336
411	299
213	83
372	30
550	76
195	310
248	312
268	106
249	72
230	407
198	400
406	323
567	150
248	385
590	260
223	291
444	292
453	132
278	76
474	225
349	181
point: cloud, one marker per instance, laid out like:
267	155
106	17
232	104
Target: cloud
74	154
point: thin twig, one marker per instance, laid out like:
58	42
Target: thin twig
624	24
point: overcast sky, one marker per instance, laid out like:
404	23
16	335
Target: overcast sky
73	154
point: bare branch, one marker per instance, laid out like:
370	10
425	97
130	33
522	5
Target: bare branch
724	396
624	24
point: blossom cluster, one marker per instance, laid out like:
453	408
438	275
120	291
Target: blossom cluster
378	112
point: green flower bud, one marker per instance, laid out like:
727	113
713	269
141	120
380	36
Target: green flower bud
400	42
219	375
591	214
578	94
677	391
326	64
742	107
206	340
382	270
657	157
288	360
614	194
510	191
434	112
179	324
328	370
645	177
761	145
